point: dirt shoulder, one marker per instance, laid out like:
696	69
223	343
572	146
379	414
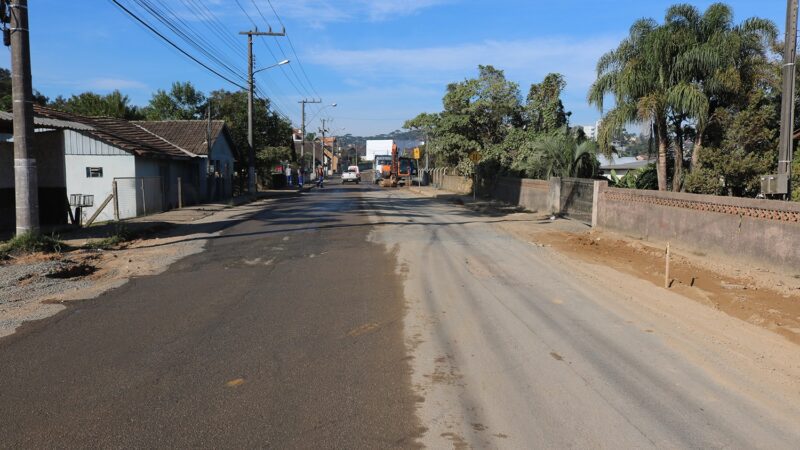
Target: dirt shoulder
755	295
758	296
36	286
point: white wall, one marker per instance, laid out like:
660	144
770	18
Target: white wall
114	166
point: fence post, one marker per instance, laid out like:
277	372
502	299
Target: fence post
115	193
180	194
598	188
144	199
555	195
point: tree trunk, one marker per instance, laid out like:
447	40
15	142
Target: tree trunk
698	146
677	177
663	146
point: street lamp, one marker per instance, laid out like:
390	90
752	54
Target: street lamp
251	172
285	61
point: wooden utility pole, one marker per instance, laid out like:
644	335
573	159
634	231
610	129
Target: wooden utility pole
26	186
251	154
303	125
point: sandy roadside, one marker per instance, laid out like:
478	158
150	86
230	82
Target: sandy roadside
37	286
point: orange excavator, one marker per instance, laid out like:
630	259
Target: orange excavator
395	170
390	173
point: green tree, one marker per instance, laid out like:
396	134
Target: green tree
269	129
6	102
182	102
722	61
544	109
557	155
91	104
748	149
478	115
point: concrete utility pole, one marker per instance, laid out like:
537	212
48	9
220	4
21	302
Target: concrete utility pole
303	125
787	99
322	152
251	154
26	186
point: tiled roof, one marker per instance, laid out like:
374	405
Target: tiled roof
121	134
189	135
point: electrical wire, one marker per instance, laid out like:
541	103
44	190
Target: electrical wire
291	45
167	40
280	47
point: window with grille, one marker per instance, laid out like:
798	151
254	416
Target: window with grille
94	172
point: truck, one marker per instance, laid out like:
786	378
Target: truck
379	153
381	147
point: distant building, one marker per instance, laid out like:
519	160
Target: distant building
591	130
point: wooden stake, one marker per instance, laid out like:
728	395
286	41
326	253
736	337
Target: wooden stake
666	272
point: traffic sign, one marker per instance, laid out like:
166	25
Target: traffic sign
416	152
475	157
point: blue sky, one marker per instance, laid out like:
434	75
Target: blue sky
382	61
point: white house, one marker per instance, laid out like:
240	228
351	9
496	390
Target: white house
211	142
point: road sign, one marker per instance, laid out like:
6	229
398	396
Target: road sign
416	152
475	157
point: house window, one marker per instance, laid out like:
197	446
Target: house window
94	172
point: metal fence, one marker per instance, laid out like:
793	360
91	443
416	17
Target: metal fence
139	196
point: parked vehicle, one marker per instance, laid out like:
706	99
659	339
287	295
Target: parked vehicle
352	174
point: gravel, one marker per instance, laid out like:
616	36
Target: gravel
26	281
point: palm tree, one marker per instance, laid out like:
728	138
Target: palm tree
723	61
558	155
638	75
679	71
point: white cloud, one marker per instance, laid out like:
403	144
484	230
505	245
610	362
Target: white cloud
530	59
412	80
110	84
320	12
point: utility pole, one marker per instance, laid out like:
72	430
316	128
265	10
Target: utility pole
787	105
26	186
322	152
251	154
303	125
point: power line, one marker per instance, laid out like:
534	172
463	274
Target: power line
185	32
181	29
291	45
238	3
280	47
167	40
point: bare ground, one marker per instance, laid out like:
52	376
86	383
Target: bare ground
756	295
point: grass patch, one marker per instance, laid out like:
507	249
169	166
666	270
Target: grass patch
121	235
31	243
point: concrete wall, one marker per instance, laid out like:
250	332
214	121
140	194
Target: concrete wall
457	184
48	150
576	198
764	232
532	195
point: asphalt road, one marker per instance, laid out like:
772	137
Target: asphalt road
286	332
357	317
516	346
